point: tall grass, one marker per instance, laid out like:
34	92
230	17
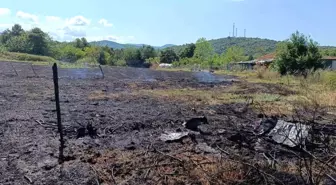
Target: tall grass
263	72
12	56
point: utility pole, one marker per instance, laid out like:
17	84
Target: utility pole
233	31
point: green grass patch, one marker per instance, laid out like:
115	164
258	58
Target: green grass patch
37	60
24	57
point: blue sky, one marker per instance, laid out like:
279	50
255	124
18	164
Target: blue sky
159	22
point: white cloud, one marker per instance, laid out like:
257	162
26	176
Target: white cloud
4	11
5	26
105	23
31	17
78	21
53	18
112	38
74	32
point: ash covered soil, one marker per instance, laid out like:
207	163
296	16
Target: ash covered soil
127	148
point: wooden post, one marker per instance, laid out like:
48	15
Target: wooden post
102	71
58	110
31	65
14	69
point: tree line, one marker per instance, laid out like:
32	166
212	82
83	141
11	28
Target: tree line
37	42
296	54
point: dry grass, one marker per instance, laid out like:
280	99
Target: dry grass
115	167
314	88
179	167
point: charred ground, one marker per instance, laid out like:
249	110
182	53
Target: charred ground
130	109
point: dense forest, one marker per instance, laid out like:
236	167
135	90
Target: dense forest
213	53
255	47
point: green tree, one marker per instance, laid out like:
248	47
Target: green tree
132	57
297	55
18	44
203	50
85	42
168	56
78	43
5	36
234	54
188	51
38	41
17	30
147	52
69	53
103	57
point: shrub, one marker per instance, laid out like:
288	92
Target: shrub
329	79
2	49
297	55
87	60
120	63
266	73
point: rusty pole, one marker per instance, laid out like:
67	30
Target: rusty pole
31	65
102	71
58	110
14	69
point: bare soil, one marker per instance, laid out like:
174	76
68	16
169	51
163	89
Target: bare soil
127	149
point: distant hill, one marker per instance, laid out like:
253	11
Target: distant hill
116	45
108	43
252	46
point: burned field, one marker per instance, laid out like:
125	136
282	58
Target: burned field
137	134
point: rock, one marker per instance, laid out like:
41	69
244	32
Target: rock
173	136
193	123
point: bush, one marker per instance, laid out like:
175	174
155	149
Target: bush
87	60
297	55
155	60
120	63
266	73
2	49
329	79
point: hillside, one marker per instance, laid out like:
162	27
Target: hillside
110	44
252	46
116	45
